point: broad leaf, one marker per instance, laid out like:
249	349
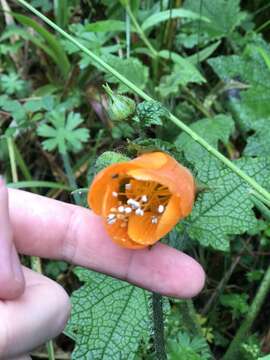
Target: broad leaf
131	68
224	16
225	208
259	143
109	318
212	130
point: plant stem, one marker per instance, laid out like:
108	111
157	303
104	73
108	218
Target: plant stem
70	176
256	186
140	32
158	327
264	288
12	159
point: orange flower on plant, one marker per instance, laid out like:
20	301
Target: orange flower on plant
141	200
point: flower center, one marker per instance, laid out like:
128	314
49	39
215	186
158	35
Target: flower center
140	198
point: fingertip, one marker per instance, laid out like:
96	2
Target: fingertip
10	288
195	280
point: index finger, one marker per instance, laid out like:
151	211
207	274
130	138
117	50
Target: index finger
53	229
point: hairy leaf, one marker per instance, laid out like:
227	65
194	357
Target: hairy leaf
212	130
224	16
109	318
225	209
259	143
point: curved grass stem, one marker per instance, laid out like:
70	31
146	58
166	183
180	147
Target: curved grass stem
256	186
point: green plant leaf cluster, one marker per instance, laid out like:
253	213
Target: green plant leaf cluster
63	133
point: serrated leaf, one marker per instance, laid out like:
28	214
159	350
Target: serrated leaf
212	130
225	209
150	113
224	16
130	68
63	133
259	143
109	318
253	103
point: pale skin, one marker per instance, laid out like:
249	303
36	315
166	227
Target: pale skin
33	308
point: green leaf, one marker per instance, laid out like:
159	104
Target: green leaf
11	83
59	55
225	209
218	128
236	302
131	68
250	69
38	184
224	16
109	318
259	143
157	18
149	113
63	133
107	25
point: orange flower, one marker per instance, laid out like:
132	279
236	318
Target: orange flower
143	199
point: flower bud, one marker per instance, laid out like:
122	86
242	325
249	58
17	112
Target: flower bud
120	107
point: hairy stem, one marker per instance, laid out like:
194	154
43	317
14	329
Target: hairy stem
158	327
264	288
256	186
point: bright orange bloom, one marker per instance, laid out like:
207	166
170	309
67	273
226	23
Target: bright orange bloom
143	199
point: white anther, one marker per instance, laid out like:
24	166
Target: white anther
114	194
144	198
128	186
133	203
139	212
111	219
154	220
128	210
121	209
161	208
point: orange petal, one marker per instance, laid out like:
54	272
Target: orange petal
176	177
141	230
170	217
119	236
103	180
153	160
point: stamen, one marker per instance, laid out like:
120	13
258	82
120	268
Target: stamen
114	194
161	208
139	212
111	219
144	198
121	209
133	203
154	220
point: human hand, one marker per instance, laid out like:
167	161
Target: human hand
34	308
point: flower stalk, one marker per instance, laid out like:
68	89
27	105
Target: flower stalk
253	183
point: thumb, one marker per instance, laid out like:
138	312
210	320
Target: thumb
11	276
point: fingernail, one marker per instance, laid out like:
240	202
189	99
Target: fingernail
16	266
